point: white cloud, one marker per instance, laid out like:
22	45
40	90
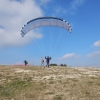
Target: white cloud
1	30
68	56
94	54
45	1
59	10
14	15
74	6
76	3
97	43
71	55
71	10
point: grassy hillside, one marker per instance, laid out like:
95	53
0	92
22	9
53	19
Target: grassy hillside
54	83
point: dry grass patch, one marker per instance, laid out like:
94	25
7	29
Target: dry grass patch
54	83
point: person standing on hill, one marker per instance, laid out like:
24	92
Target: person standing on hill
42	61
47	60
25	62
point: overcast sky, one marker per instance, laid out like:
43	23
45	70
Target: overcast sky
80	48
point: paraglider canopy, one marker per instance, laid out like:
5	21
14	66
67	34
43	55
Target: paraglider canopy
51	40
45	21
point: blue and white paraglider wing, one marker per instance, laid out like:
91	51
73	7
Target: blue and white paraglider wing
45	21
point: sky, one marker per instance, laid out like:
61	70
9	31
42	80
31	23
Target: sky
81	47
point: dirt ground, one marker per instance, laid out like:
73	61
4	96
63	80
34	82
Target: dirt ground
54	83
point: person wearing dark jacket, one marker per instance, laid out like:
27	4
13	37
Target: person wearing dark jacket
25	62
47	60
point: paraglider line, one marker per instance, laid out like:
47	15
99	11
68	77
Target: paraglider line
57	42
51	34
38	46
43	47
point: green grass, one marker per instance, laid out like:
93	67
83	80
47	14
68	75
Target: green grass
90	82
57	97
49	93
51	82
